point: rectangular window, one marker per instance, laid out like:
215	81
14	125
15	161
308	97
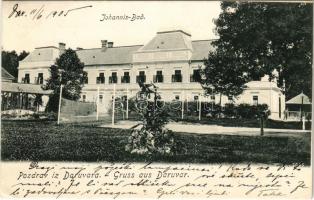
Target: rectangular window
100	98
177	97
26	78
177	72
158	78
212	97
84	97
113	78
255	100
195	98
195	77
125	78
86	79
177	77
141	77
101	78
40	79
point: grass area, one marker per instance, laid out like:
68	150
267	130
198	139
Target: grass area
45	141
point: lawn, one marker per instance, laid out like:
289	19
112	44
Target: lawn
45	141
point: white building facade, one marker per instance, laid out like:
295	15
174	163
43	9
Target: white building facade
170	61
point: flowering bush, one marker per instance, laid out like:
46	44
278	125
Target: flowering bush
150	136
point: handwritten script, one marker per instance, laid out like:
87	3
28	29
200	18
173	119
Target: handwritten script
41	12
155	180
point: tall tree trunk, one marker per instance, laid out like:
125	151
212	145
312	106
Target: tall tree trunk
262	125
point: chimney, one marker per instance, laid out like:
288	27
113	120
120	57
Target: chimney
104	43
61	47
110	44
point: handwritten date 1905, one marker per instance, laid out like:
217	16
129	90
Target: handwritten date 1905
39	13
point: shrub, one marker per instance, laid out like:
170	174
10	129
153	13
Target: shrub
36	115
230	110
247	111
152	137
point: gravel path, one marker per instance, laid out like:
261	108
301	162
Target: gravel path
215	129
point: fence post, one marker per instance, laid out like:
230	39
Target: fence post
59	109
199	108
113	104
187	105
97	104
127	103
182	106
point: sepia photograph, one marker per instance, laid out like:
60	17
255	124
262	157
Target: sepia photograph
159	99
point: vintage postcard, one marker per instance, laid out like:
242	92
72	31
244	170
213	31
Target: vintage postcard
157	100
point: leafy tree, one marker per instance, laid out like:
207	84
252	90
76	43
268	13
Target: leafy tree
223	75
67	71
257	38
23	55
10	61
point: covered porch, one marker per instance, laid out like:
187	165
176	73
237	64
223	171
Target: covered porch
19	96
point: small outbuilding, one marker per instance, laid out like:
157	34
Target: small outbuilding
297	107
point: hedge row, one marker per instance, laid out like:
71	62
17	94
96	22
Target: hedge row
191	108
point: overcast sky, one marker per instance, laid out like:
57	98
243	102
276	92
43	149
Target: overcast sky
83	28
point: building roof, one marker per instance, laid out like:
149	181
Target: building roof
5	75
201	48
165	40
169	40
49	53
24	88
298	99
113	55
